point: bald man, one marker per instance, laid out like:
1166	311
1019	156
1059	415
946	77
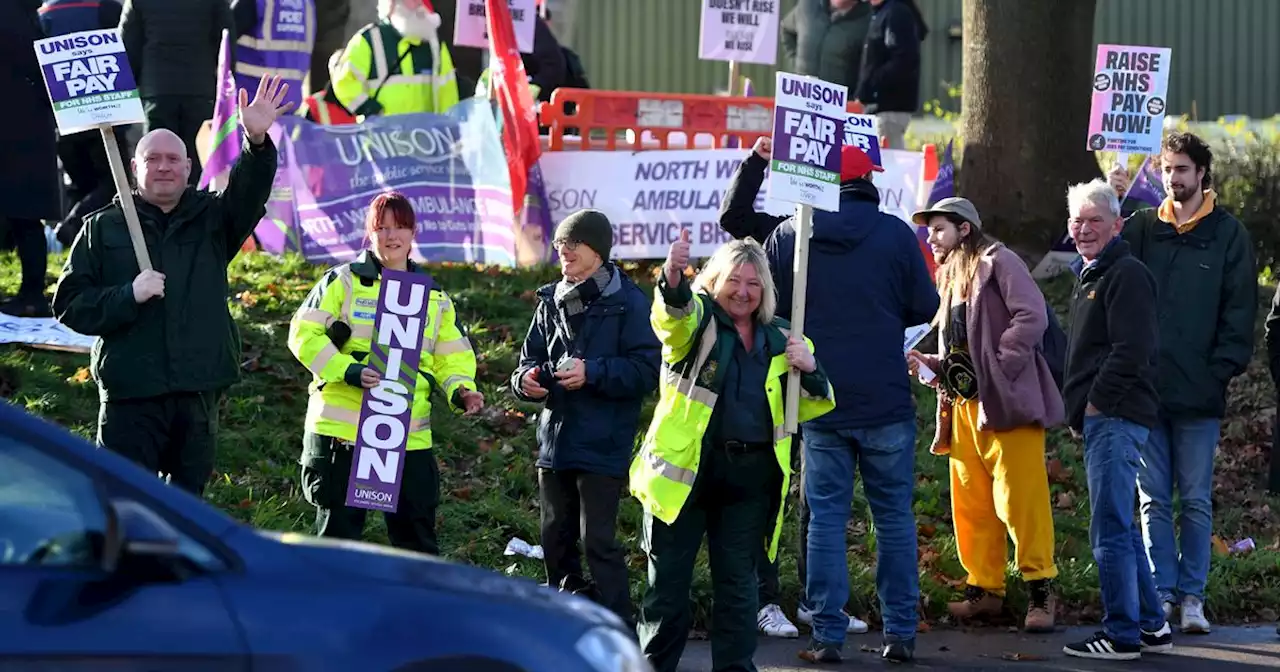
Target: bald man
167	347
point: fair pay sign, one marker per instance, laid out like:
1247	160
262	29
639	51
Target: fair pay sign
91	86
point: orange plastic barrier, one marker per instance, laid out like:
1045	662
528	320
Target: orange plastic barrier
651	119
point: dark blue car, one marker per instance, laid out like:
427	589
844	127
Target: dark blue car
104	567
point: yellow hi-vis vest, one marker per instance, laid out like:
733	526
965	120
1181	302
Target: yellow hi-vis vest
349	293
695	339
384	72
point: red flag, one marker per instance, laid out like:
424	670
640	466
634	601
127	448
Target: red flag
515	101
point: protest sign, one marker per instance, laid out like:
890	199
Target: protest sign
387	408
42	332
1130	89
739	30
91	85
650	196
450	166
863	132
470	27
808	115
89	80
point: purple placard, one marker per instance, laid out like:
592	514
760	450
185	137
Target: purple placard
377	462
76	80
809	116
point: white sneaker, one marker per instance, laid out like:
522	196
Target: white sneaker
857	626
1168	607
1193	620
774	623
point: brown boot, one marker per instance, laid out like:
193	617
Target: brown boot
977	603
1041	606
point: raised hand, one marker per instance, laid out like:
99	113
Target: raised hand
268	105
763	147
678	258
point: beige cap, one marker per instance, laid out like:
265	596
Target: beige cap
952	205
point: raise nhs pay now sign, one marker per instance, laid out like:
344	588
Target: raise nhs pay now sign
808	130
89	81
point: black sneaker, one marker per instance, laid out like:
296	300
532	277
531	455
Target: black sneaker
1160	641
898	650
1102	647
817	652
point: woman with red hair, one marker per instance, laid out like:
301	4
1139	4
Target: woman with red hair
331	334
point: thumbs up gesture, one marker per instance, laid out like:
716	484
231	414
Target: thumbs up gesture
678	258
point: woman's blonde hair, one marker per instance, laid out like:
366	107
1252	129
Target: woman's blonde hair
731	255
955	275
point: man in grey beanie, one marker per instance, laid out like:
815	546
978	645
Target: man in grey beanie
590	357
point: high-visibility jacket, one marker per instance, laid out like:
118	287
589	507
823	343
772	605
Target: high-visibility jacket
384	72
695	339
482	86
279	44
349	293
320	108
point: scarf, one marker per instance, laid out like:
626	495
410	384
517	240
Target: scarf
572	299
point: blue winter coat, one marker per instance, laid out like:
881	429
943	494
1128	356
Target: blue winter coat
592	429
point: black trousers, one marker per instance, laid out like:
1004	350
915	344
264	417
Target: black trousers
732	496
175	435
84	158
326	471
183	115
581	507
768	581
28	240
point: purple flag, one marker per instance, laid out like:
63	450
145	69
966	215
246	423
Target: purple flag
225	147
1146	189
386	410
945	184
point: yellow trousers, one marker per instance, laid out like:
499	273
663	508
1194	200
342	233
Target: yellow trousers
999	489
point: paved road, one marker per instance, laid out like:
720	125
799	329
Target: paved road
1239	649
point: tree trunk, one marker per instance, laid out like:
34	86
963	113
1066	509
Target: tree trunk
1028	65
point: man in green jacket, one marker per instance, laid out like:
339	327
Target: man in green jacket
1203	262
167	346
824	38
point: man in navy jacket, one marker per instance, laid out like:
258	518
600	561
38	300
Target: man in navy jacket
591	357
867	284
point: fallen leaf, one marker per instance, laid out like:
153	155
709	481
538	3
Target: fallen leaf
1010	655
927	531
80	377
484	446
1064	500
247	298
245	503
1220	546
463	493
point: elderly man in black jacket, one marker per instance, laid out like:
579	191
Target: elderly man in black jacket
173	50
1110	396
167	346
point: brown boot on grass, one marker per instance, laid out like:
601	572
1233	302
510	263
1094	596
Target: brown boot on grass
1041	606
977	603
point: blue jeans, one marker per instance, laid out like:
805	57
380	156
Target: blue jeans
1179	452
886	456
1111	458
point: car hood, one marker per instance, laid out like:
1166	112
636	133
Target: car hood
373	562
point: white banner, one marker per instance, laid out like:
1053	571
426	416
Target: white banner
42	332
651	195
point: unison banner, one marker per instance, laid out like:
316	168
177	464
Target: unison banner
649	196
450	166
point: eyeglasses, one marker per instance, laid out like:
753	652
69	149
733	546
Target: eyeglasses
565	244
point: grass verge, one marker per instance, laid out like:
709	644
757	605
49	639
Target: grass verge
489	491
